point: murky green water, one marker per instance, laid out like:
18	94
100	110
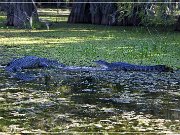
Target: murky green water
91	102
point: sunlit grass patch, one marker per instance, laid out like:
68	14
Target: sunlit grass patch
39	41
55	19
54	15
55	11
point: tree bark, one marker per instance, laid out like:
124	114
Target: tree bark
2	5
21	14
94	13
80	13
108	13
177	25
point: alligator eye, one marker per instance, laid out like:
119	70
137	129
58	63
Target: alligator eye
14	69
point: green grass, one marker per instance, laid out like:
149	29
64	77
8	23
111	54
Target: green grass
54	15
80	44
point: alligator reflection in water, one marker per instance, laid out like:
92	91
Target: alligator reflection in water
91	98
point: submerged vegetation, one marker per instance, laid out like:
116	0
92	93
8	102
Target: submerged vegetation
91	102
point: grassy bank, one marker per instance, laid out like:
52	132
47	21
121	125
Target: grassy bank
80	44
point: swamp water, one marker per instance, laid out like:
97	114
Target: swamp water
103	102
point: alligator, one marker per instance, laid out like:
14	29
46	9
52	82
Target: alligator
16	66
132	67
31	62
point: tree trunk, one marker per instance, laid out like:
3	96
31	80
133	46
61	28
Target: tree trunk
94	13
21	14
80	12
177	25
2	5
108	13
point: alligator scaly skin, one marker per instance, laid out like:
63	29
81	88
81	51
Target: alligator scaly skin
131	67
31	62
17	65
